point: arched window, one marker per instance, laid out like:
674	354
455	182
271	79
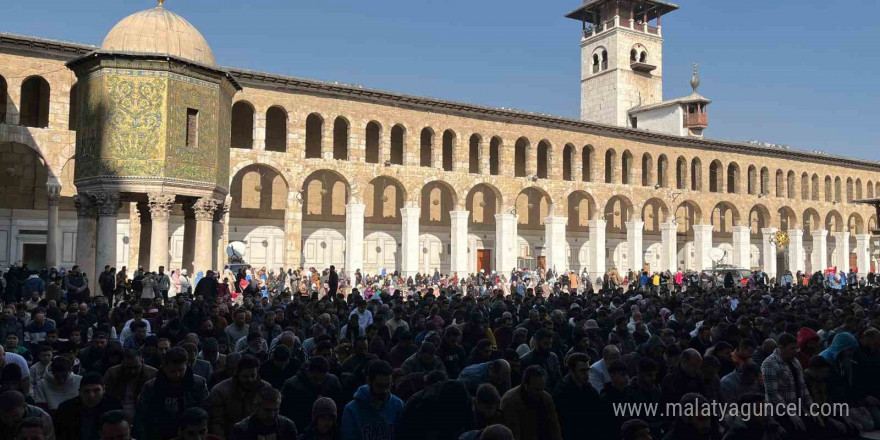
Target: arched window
869	188
474	154
858	189
587	163
495	156
604	59
838	190
753	180
4	98
663	171
543	159
276	129
780	182
242	125
764	186
567	158
633	55
814	191
849	189
733	178
829	191
426	149
596	63
520	156
371	155
34	111
791	185
626	168
681	173
314	127
610	159
340	138
716	176
448	149
643	57
397	135
696	175
647	170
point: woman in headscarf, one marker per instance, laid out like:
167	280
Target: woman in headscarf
199	276
172	289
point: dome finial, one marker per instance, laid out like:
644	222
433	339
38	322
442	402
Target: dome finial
161	3
695	80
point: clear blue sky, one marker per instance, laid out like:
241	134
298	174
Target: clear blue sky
796	72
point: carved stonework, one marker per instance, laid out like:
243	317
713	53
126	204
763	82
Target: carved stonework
53	192
160	205
204	209
107	203
84	205
223	209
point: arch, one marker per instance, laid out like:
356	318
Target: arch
805	186
610	166
647	170
618	210
398	136
340	138
688	214
858	194
544	156
855	224
681	168
495	156
325	195
448	150
426	148
532	205
258	191
276	129
663	171
733	178
581	209
243	125
520	157
716	176
23	177
850	190
787	218
314	135
834	221
829	190
371	142
567	160
838	190
384	196
474	155
814	191
724	217
780	183
654	213
764	186
587	163
869	188
696	174
4	98
791	185
34	107
483	202
759	218
752	186
626	161
872	223
811	221
438	198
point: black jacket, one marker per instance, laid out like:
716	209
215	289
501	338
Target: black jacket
71	413
158	410
248	429
298	395
582	413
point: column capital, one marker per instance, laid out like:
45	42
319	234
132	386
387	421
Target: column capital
819	233
634	225
223	209
597	223
453	215
741	228
160	205
53	191
204	209
703	229
355	209
107	203
863	237
769	231
795	232
669	226
842	234
555	220
84	205
411	212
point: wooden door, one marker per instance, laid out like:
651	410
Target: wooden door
484	258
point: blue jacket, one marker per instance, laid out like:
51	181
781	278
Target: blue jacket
361	421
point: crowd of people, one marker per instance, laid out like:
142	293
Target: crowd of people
308	354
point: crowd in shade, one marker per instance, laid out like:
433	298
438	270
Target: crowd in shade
308	354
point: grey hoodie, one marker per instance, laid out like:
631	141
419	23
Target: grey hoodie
51	393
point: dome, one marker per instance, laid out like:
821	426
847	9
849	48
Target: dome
159	31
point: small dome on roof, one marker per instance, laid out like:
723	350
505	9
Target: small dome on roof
159	31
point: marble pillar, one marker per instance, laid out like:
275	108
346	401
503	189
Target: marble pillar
86	229
219	234
505	242
863	255
597	248
107	204
53	192
635	253
145	234
189	239
669	246
354	239
768	252
742	247
204	209
796	255
459	243
702	246
841	244
555	244
820	250
160	208
409	241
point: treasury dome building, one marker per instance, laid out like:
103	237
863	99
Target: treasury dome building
144	152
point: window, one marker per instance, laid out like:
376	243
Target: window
276	129
372	142
192	127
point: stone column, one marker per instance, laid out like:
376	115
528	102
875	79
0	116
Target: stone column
189	239
160	209
53	191
505	242
219	235
145	233
409	241
636	255
597	248
204	210
796	250
841	242
293	257
105	251
769	252
86	228
863	255
354	238
820	249
669	246
702	246
554	242
458	235
741	253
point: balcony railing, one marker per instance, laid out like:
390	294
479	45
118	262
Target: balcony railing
695	120
606	25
